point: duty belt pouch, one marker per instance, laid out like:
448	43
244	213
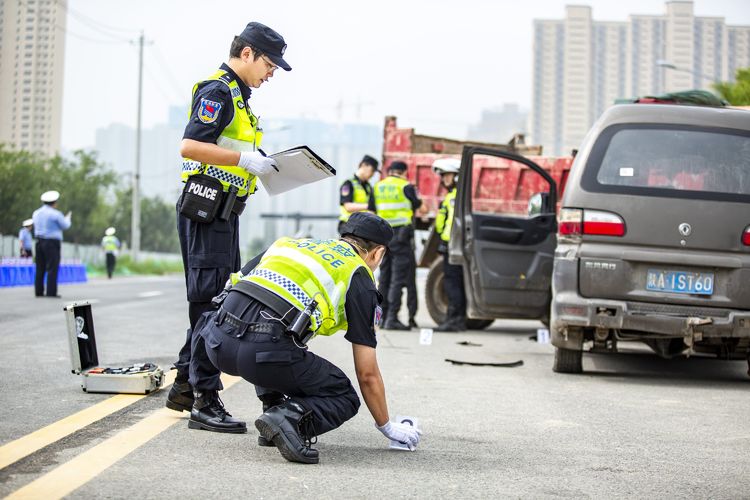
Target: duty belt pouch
139	378
201	198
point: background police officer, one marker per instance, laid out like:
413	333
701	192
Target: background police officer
110	245
303	394
25	243
49	224
396	200
453	278
221	140
355	193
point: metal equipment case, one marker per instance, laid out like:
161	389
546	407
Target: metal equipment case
142	378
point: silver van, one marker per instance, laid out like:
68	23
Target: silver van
654	235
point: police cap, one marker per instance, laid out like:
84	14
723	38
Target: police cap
370	161
267	41
50	196
368	226
110	231
397	166
28	222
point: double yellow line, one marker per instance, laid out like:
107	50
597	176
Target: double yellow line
73	474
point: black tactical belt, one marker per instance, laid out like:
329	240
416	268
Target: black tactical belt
238	207
243	327
281	307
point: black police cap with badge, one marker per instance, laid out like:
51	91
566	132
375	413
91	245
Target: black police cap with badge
368	226
267	41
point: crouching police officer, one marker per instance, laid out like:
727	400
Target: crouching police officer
297	289
453	276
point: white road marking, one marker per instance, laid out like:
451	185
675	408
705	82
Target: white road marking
154	293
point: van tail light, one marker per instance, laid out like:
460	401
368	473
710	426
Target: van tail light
576	222
746	236
570	222
602	223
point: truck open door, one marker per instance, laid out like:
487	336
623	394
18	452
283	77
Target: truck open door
504	234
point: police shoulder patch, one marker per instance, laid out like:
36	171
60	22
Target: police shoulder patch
346	188
378	315
208	111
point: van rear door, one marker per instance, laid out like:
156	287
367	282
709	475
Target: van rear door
504	234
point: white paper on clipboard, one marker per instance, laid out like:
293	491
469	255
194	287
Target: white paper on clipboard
297	166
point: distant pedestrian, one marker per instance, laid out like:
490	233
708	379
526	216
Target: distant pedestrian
110	245
24	239
49	224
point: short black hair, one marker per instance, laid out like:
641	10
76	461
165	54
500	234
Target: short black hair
238	44
369	160
362	243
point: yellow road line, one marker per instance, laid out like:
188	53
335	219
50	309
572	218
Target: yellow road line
30	443
71	475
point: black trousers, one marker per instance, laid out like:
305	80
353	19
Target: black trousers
210	253
398	271
111	261
453	285
47	262
276	365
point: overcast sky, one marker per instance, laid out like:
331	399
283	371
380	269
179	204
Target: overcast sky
435	64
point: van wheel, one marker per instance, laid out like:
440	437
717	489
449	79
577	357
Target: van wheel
567	361
437	302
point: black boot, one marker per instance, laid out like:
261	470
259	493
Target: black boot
394	324
289	427
452	325
413	323
180	397
267	405
208	413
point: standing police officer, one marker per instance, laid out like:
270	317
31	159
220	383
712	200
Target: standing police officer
355	193
297	289
24	239
220	148
110	245
396	200
453	277
49	224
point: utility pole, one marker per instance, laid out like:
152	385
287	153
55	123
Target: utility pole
135	222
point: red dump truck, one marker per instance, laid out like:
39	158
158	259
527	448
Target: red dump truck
504	219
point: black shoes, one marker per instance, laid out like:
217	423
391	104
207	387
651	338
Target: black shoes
208	413
267	405
180	397
412	323
289	426
394	324
452	325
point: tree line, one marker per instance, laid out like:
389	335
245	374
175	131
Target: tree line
93	192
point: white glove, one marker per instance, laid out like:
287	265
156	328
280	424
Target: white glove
256	164
403	433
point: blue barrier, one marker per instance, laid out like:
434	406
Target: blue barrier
21	272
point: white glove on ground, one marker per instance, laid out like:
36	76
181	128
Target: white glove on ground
255	163
403	433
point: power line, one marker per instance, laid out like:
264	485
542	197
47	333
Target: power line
32	10
165	66
93	23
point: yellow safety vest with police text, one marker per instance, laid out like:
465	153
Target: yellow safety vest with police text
360	196
302	270
444	217
391	203
242	134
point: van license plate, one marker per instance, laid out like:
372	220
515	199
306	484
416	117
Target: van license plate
680	282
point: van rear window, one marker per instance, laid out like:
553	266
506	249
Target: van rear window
671	161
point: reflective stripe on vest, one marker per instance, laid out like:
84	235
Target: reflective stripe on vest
444	218
242	134
360	196
300	270
391	203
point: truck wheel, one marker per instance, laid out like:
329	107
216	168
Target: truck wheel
567	361
437	302
434	296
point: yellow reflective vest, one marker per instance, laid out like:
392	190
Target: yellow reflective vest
360	195
110	243
242	134
300	270
391	203
444	217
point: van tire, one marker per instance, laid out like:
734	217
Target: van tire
437	302
568	361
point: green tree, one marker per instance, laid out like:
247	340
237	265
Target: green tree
158	222
737	93
22	181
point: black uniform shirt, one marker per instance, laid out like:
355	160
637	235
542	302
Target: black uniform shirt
216	91
346	193
410	191
362	306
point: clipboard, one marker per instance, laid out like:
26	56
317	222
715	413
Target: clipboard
297	166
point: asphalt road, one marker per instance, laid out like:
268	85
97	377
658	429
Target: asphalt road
632	426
